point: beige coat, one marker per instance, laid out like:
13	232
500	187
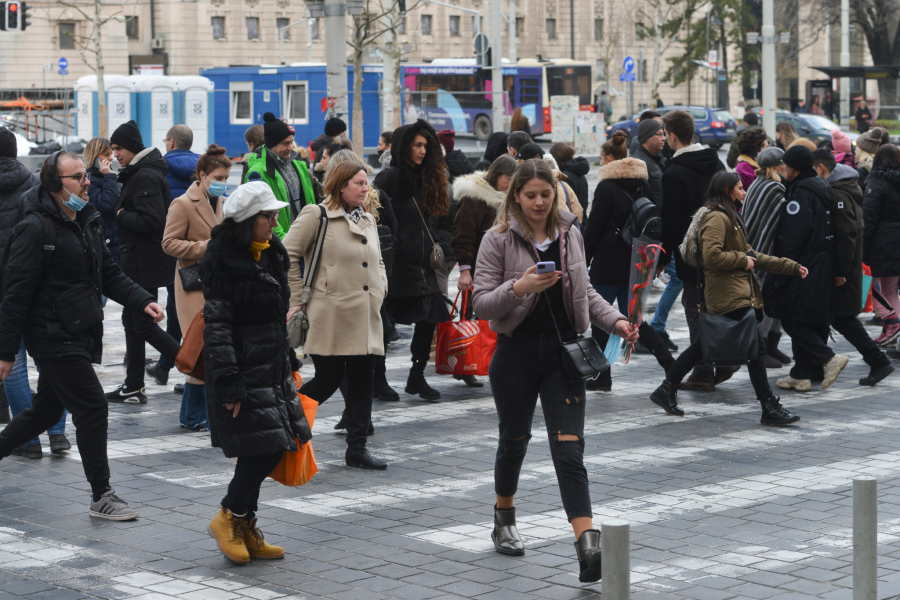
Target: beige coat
351	283
188	229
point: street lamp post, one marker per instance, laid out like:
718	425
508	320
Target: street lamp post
768	66
283	30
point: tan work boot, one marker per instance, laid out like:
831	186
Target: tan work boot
228	531
256	543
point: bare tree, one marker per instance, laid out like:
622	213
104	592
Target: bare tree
655	21
92	44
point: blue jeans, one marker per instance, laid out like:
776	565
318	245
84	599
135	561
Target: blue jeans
18	393
668	298
612	293
193	406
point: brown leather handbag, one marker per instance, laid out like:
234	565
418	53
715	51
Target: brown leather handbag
190	358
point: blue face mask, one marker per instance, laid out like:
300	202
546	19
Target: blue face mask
216	188
75	203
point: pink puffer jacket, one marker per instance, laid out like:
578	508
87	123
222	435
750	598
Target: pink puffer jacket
503	259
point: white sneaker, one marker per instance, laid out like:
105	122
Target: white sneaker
833	368
789	383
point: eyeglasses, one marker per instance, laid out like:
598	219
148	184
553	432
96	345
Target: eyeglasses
270	217
660	135
78	176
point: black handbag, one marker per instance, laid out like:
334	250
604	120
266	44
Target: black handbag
581	359
190	278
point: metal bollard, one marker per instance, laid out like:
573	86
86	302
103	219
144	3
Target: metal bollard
865	539
615	543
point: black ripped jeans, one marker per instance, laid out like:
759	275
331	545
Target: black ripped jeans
524	367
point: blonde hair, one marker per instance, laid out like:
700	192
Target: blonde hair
864	159
94	149
525	172
769	173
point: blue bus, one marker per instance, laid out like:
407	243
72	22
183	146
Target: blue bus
457	93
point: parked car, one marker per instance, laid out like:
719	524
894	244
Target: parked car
713	126
816	128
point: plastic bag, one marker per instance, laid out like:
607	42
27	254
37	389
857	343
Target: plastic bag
464	347
645	254
297	468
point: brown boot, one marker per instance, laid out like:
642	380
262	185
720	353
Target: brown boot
228	531
256	544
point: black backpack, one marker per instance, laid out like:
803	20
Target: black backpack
644	219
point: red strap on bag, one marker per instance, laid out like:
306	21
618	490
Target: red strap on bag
464	347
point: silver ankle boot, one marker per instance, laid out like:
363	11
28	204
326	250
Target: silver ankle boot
505	535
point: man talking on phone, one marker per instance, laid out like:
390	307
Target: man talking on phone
57	268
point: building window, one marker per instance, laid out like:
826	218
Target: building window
601	69
241	102
218	27
252	28
425	25
282	22
598	29
315	29
401	26
67	36
551	29
454	26
296	94
131	28
520	26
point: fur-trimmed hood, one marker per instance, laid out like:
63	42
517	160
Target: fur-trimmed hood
889	175
476	187
691	244
627	168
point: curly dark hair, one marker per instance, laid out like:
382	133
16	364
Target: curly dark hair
433	170
751	142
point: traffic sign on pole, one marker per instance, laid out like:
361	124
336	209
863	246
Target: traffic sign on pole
628	65
63	64
63	71
627	76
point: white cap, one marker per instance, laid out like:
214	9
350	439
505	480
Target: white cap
249	200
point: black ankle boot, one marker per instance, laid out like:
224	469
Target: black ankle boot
588	549
772	348
651	339
361	459
876	374
505	535
665	397
381	389
416	383
775	414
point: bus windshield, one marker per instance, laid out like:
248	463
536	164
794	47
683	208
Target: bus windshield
570	81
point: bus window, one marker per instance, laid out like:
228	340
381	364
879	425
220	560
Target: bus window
529	90
570	81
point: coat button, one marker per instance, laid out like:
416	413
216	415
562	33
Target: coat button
365	241
366	288
365	264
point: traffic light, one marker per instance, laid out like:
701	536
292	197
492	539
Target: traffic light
11	17
24	16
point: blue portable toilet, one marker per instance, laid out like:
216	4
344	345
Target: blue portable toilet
155	95
194	108
119	100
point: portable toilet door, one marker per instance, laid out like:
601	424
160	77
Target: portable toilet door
85	98
118	100
156	108
196	107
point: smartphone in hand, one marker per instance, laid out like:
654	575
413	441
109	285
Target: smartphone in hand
545	267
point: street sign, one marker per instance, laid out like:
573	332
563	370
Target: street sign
627	76
48	67
63	64
481	43
63	71
713	58
628	66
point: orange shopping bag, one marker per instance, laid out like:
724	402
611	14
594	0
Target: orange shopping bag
464	347
297	468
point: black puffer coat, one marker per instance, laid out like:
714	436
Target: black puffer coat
81	263
145	200
411	274
245	353
103	193
576	171
881	212
15	181
457	164
805	235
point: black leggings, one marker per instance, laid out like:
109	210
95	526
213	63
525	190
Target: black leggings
757	368
360	372
249	473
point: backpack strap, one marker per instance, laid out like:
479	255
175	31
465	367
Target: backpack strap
49	233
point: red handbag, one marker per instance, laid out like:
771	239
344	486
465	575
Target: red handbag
464	347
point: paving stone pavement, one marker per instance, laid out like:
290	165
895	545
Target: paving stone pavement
720	507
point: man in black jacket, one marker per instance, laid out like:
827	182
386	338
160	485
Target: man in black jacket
141	219
806	306
684	183
57	269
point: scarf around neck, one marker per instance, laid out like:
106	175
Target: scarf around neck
257	248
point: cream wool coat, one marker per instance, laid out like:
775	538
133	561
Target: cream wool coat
189	225
351	283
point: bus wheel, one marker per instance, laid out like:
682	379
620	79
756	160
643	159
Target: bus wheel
483	128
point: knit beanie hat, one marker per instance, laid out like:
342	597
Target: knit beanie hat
770	157
9	147
873	139
334	127
647	129
840	141
529	151
447	138
128	136
798	157
275	130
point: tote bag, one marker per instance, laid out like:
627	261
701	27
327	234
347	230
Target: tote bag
464	347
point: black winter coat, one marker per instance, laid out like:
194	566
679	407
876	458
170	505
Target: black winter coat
496	146
881	212
103	193
80	264
848	239
145	200
15	182
575	171
684	183
458	164
608	256
246	350
805	235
